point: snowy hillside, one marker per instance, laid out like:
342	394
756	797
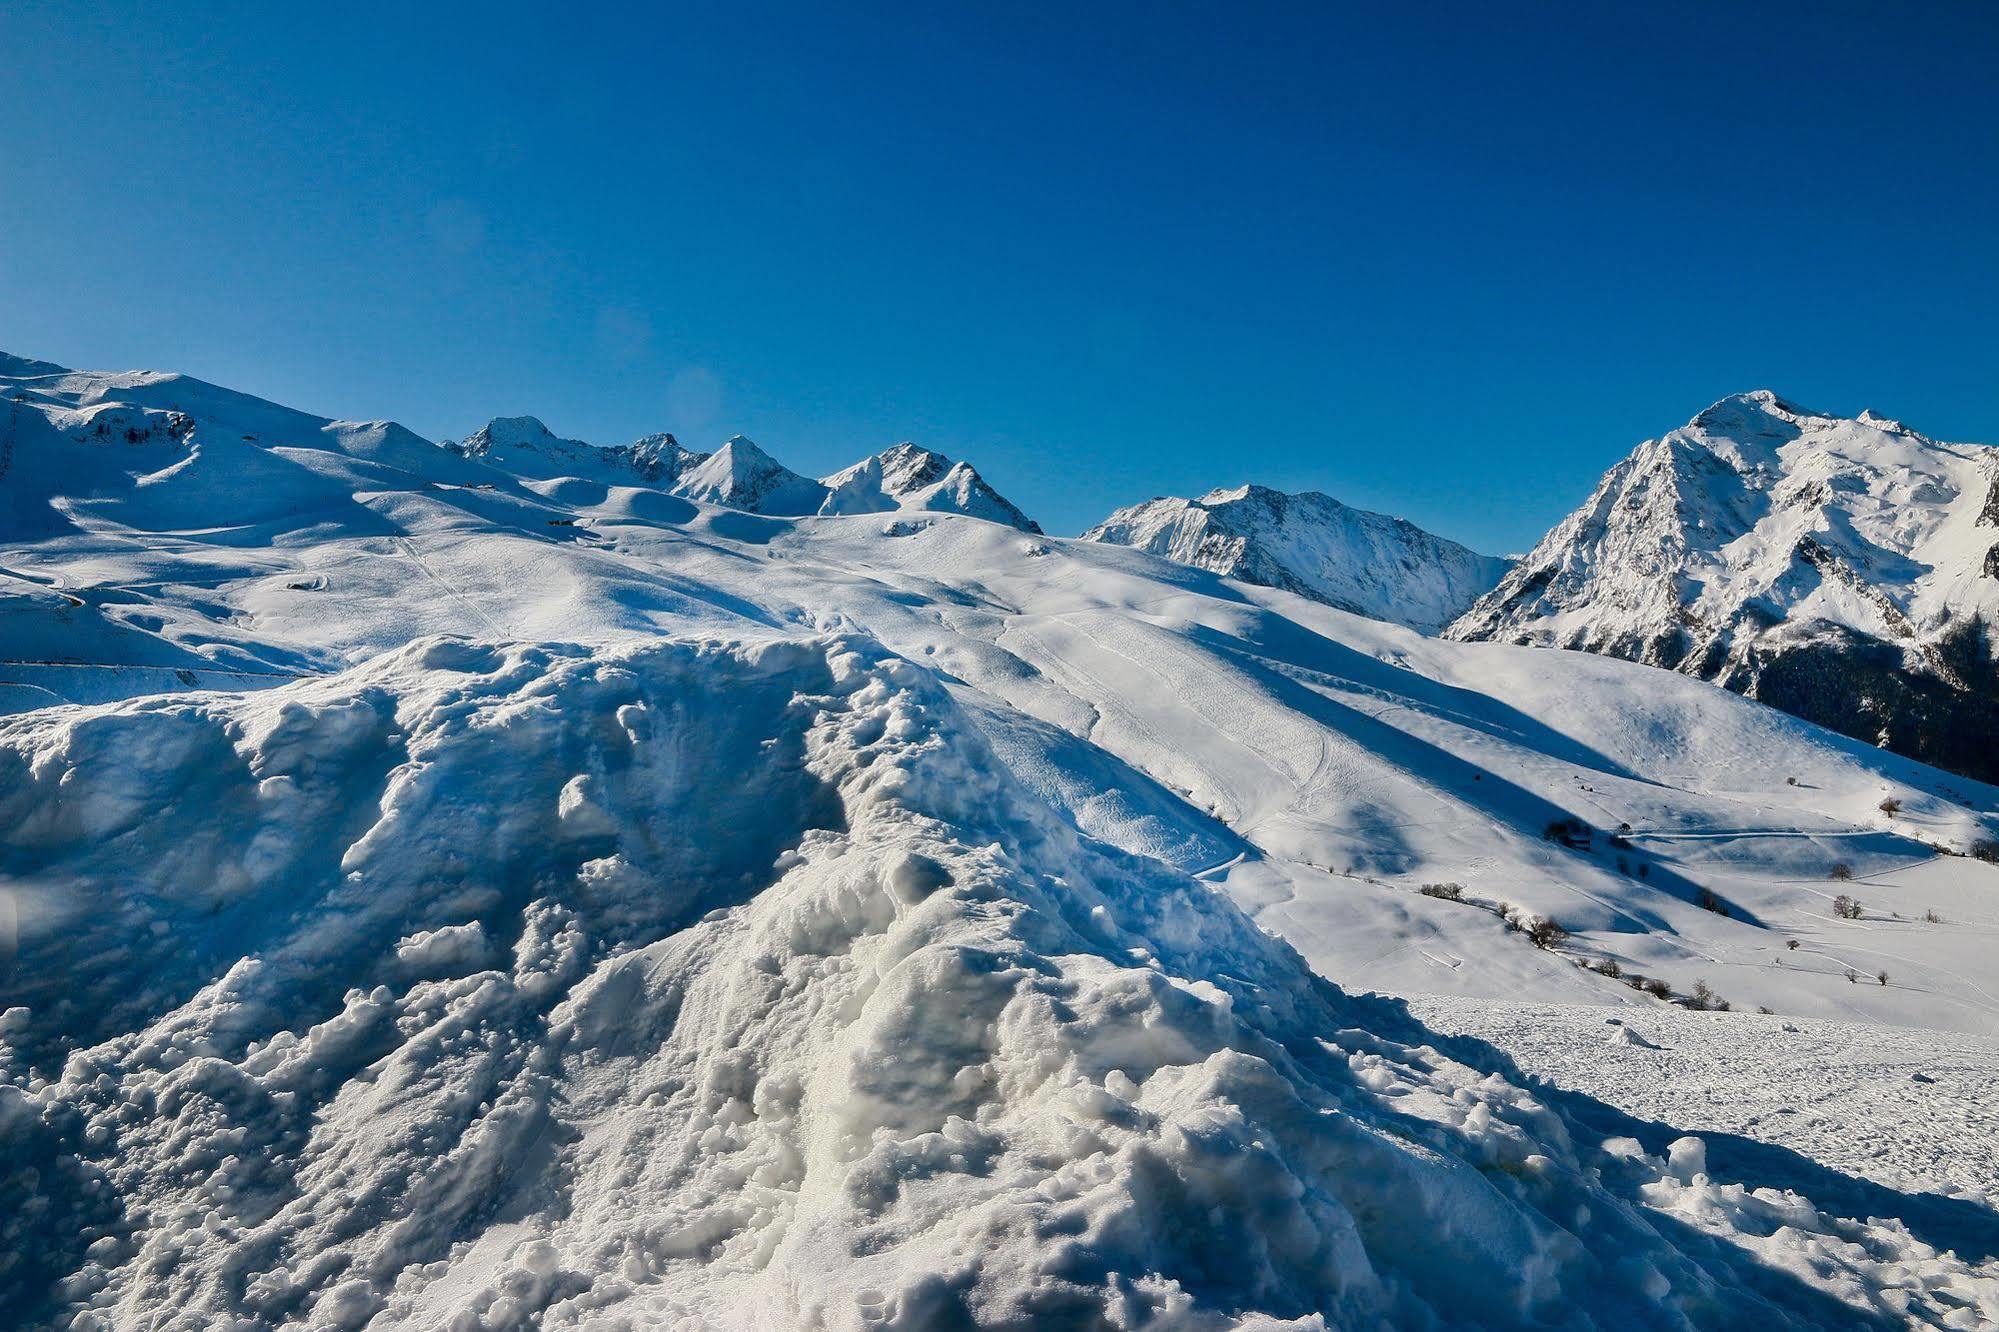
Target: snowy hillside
447	895
1843	570
1312	544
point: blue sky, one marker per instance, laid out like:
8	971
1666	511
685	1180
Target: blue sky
1447	261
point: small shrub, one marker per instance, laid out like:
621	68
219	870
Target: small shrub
1791	944
1852	976
1766	1011
1986	849
1545	933
1842	872
1702	997
1788	781
1709	902
1881	976
1568	831
1891	807
1608	967
1846	908
1932	918
1658	989
1635	981
1446	892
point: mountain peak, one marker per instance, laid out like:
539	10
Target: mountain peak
1832	567
909	476
739	475
1367	563
507	432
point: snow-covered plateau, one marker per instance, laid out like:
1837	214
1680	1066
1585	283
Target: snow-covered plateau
522	883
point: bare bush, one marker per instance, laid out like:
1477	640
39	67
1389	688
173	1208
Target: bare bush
1842	871
1545	933
1446	892
1658	989
1891	807
1846	908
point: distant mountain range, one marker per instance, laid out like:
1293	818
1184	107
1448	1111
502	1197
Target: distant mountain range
1846	571
739	475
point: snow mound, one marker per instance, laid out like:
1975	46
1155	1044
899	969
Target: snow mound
1367	563
739	982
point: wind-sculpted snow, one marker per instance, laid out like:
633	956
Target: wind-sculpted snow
738	983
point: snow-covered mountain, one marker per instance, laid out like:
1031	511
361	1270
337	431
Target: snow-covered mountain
525	447
909	477
1368	563
1846	571
739	475
442	897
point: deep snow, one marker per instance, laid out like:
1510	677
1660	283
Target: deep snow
461	896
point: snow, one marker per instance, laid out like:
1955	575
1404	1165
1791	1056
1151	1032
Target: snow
1761	528
605	907
1311	544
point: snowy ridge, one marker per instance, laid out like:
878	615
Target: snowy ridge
1311	544
525	447
1846	570
921	1028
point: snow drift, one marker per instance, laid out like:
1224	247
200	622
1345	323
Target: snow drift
739	982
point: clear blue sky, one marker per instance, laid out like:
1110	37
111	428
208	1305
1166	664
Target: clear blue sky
1448	261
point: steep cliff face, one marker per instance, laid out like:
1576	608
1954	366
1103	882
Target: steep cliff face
1845	570
1368	563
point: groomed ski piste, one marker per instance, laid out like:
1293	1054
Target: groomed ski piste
560	903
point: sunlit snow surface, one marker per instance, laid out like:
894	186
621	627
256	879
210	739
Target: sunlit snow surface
608	909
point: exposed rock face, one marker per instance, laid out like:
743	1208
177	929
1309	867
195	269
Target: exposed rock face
1368	563
1833	568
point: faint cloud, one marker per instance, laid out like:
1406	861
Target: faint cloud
622	335
693	399
456	227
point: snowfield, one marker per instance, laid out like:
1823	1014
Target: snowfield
476	887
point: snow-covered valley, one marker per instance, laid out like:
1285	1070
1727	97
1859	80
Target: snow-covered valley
521	884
